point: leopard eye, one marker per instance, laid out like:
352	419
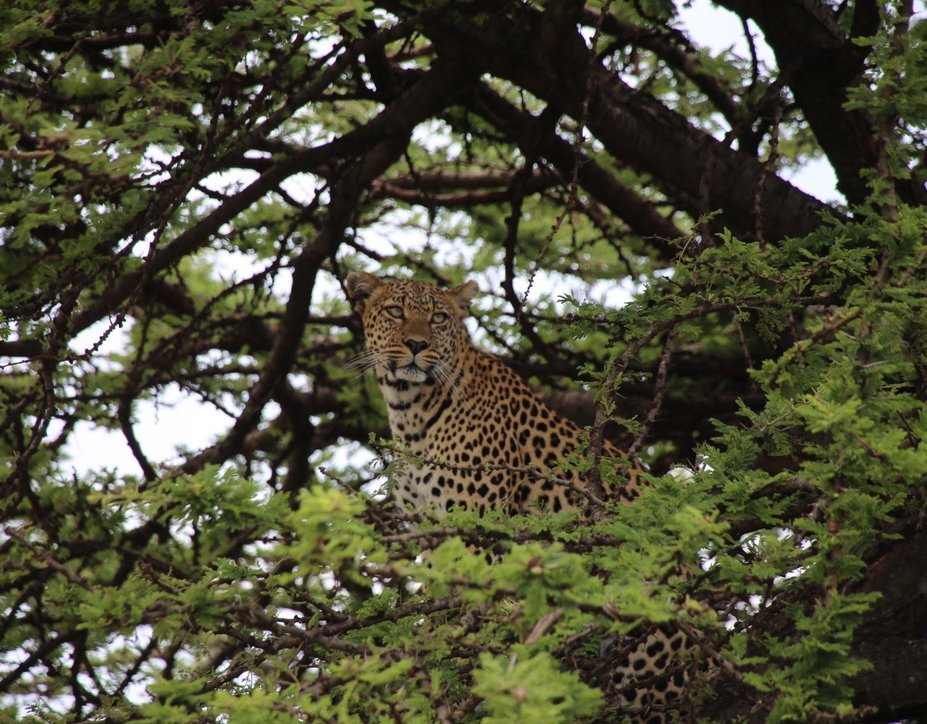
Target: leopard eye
395	312
439	317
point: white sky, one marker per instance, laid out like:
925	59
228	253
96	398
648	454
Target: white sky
178	420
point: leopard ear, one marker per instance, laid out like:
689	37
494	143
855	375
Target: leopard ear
461	297
360	286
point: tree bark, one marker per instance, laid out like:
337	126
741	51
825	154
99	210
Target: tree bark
689	165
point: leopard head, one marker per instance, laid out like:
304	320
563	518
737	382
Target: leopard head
414	330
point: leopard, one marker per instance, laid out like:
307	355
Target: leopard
487	436
485	441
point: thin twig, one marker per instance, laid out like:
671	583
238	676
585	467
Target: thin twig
659	392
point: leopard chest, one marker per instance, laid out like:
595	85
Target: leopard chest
481	445
461	451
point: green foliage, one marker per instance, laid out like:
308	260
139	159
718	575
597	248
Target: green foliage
171	179
532	690
819	661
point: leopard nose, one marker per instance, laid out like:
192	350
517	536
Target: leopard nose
415	345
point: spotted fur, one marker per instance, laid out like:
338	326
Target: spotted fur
487	435
484	435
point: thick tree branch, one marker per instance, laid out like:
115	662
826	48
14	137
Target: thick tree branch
820	62
435	190
673	48
634	127
639	214
435	90
20	348
392	122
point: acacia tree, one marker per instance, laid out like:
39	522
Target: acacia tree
185	186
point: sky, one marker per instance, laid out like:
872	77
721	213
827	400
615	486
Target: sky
175	419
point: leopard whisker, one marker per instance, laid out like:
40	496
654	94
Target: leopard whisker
365	360
448	379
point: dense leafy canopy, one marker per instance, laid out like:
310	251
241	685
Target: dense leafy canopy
184	185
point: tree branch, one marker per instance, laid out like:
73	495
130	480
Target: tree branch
634	127
820	62
436	89
640	215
